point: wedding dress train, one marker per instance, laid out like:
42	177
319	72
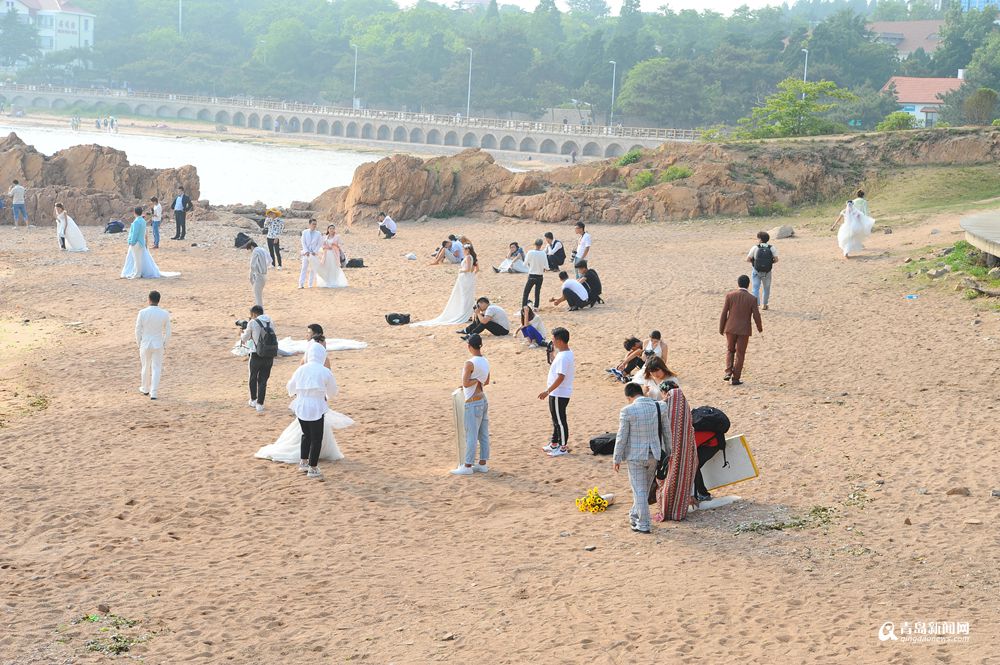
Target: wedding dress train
854	231
288	446
460	304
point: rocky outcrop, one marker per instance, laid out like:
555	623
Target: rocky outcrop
725	179
94	182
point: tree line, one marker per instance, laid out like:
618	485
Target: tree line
685	69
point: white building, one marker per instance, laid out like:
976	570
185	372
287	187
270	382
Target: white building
60	24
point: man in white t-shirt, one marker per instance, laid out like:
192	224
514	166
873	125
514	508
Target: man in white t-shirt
582	252
491	318
475	376
560	389
451	252
18	207
537	261
155	223
386	226
573	292
762	256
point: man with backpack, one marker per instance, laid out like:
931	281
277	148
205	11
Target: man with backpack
263	343
762	256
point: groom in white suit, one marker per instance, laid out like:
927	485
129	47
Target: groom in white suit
312	242
152	331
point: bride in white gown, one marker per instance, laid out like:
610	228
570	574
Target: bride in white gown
287	448
329	274
855	227
68	231
463	296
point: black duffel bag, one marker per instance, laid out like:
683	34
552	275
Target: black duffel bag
604	444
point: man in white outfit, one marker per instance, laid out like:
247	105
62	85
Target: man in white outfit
259	259
312	243
152	331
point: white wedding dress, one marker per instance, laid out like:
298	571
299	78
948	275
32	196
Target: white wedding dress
291	347
288	446
463	298
854	231
513	265
70	232
329	274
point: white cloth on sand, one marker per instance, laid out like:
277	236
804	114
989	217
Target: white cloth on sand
288	446
460	304
70	232
854	231
507	265
291	347
149	267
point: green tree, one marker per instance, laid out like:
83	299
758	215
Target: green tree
591	9
18	40
896	121
546	26
842	49
868	108
961	34
980	107
797	109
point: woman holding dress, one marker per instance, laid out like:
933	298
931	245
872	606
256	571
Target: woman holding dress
463	295
330	275
675	483
855	227
70	238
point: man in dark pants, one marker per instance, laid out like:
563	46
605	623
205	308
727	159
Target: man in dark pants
260	365
591	281
181	206
491	318
738	314
537	261
573	292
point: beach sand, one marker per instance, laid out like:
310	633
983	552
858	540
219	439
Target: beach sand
856	399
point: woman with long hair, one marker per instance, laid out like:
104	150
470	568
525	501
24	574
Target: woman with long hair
463	294
330	275
675	476
855	227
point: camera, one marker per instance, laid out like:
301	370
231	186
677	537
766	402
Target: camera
242	324
648	353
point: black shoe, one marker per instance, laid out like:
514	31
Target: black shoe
736	382
727	377
495	269
574	309
635	527
703	497
465	337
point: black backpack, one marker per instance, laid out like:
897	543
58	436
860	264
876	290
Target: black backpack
268	347
241	240
604	444
115	226
763	260
355	263
711	419
397	319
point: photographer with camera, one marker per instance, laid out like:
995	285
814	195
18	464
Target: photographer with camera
258	334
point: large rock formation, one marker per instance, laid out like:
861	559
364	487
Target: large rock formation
94	182
726	179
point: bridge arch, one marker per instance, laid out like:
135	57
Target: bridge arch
140	109
164	112
399	135
434	137
591	150
488	141
637	147
352	130
267	122
470	140
383	133
204	114
367	131
223	118
253	121
416	135
613	150
508	143
337	128
187	113
308	126
451	138
294	124
281	124
548	147
239	119
59	104
322	127
40	103
528	145
569	147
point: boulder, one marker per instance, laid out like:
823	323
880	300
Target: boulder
994	273
781	232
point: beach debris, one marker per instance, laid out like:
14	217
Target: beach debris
908	259
103	608
937	272
994	273
781	232
907	521
563	534
934	232
972	521
921	490
449	637
995	493
887	230
959	491
411	257
590	548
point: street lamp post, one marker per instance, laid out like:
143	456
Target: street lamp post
180	17
468	99
354	95
805	71
614	80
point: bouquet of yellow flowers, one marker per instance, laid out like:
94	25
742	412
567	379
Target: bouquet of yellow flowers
592	503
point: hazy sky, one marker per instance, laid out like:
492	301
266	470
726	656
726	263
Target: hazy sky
723	6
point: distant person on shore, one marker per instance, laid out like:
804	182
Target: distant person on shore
654	346
555	251
854	229
258	271
386	226
762	257
591	281
514	261
489	318
475	377
573	293
312	385
632	361
738	314
152	332
559	391
17	205
451	252
582	252
274	226
643	438
258	335
70	238
157	218
861	203
136	244
312	244
536	262
181	206
330	274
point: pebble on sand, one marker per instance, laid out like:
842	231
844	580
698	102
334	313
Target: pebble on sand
959	491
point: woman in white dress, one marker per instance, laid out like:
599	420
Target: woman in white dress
463	295
855	227
330	275
288	447
70	238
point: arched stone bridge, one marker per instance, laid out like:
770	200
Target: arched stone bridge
405	128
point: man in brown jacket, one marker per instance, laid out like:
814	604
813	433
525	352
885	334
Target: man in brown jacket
735	324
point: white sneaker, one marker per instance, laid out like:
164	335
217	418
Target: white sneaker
260	408
532	346
144	392
549	448
480	468
558	453
252	404
279	268
303	465
314	472
462	471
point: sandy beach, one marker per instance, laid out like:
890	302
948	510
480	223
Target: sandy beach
857	399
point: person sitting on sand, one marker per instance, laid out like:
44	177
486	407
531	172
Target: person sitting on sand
573	292
490	318
451	251
514	261
654	346
653	376
386	226
591	281
532	328
633	360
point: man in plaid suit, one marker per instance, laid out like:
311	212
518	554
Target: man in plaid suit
641	445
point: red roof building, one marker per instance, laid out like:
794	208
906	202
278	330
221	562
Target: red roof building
921	97
908	36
